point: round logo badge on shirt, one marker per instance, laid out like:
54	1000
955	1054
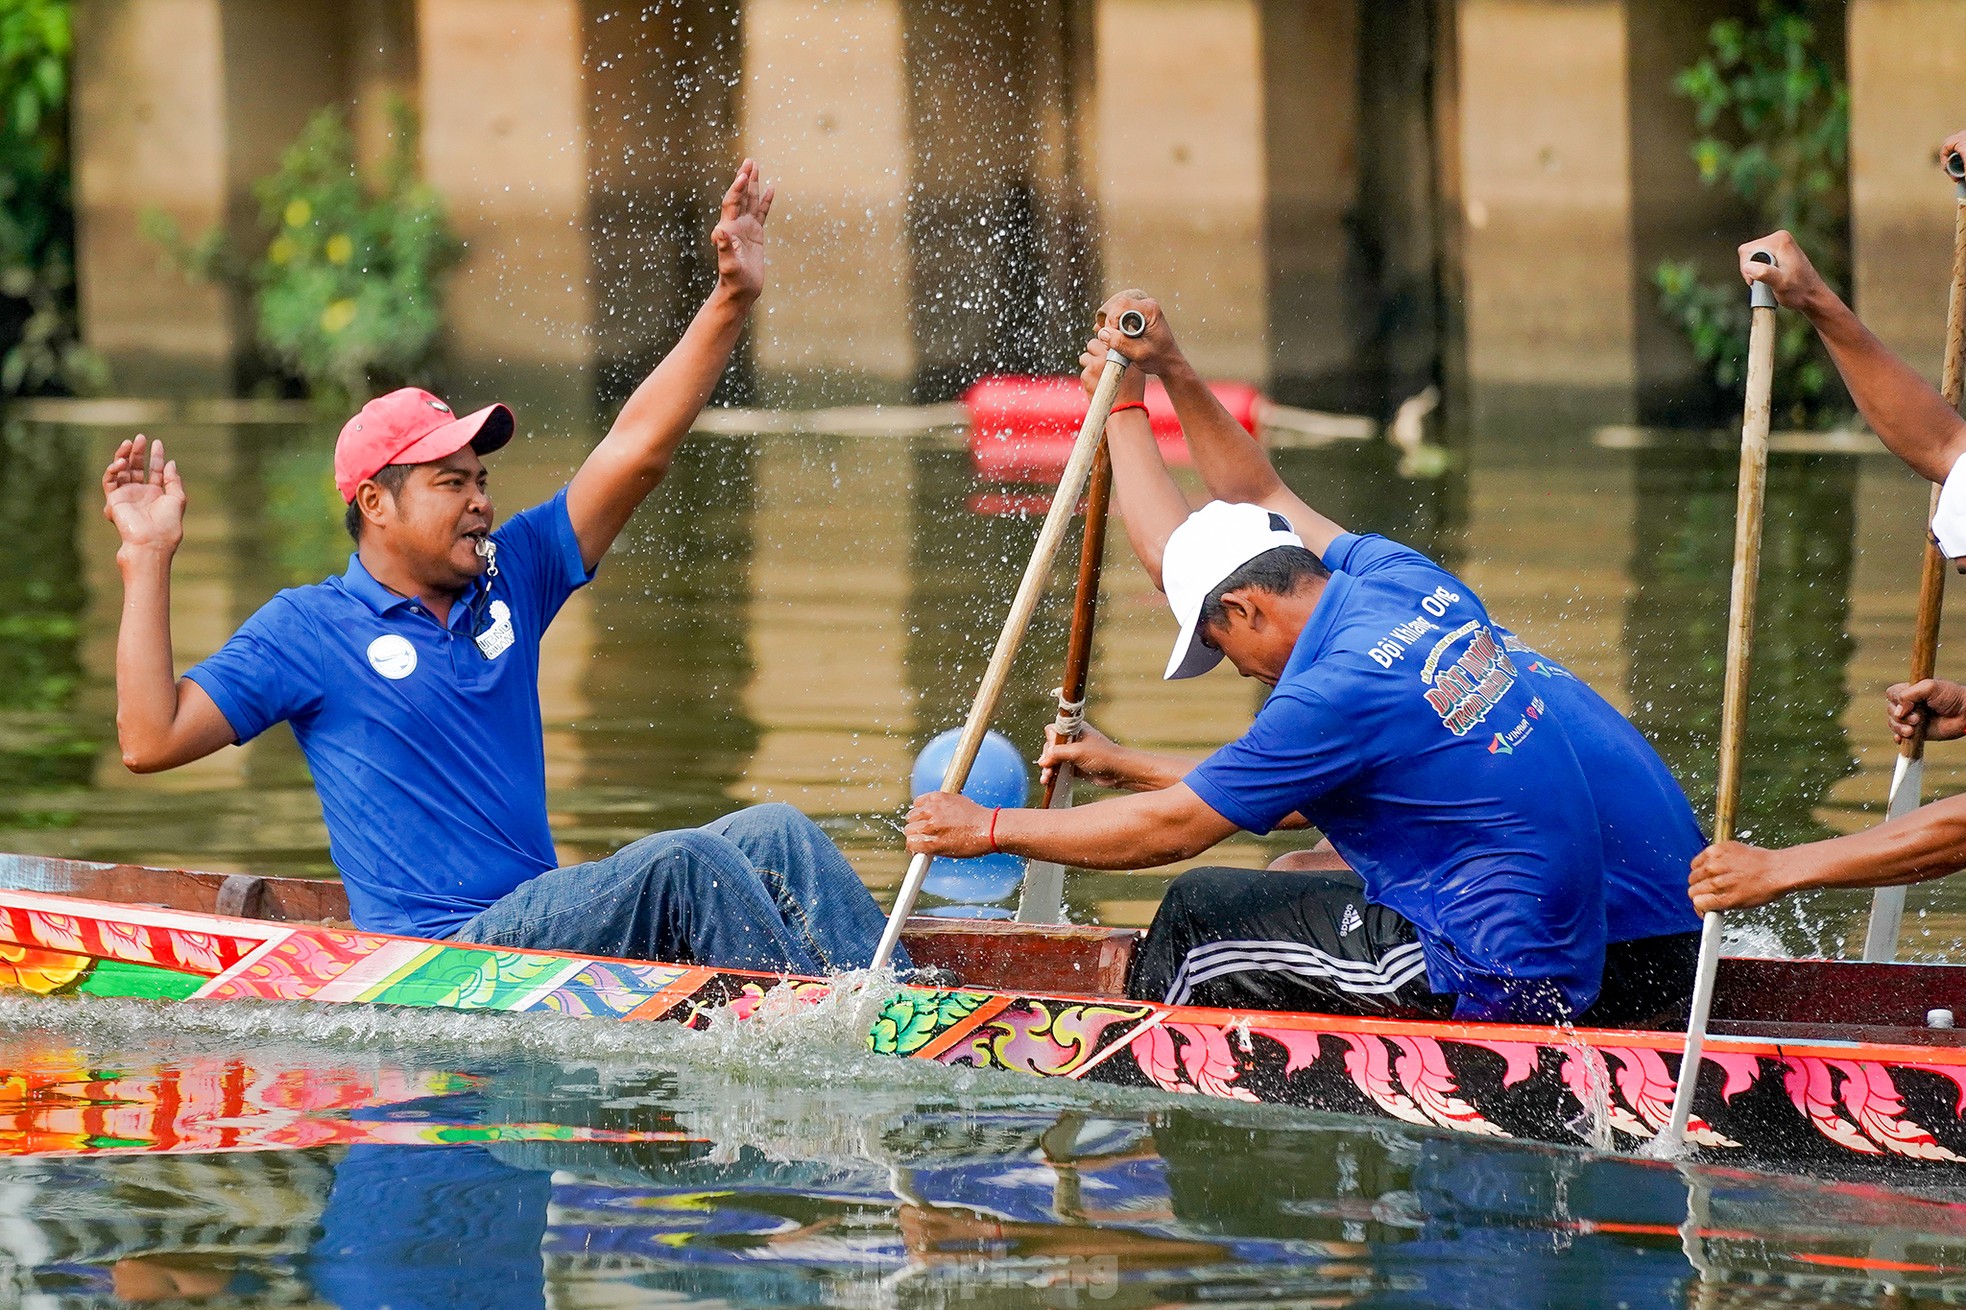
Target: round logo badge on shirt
393	657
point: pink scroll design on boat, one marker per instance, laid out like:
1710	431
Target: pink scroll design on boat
299	966
1864	1113
1051	1038
1199	1061
134	943
1638	1089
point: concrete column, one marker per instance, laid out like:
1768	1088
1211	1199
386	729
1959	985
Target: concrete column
1546	176
1674	216
1310	175
1907	63
830	585
149	130
1181	170
504	140
181	106
825	107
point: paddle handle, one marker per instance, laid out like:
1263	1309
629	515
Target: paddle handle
1887	904
1748	510
1064	503
1085	612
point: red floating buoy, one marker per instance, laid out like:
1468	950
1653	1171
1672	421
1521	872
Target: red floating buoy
1021	429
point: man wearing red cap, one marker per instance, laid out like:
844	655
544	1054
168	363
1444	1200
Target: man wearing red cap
412	681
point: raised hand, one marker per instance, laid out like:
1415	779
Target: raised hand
1952	145
1794	280
144	496
1153	351
740	234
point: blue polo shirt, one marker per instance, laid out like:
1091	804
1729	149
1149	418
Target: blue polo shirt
1650	834
1402	729
424	738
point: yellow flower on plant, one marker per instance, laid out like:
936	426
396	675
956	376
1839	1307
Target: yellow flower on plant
340	249
282	250
298	212
338	315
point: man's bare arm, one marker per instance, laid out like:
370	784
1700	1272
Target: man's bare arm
161	722
1908	415
1231	461
634	456
1928	843
1150	503
1141	831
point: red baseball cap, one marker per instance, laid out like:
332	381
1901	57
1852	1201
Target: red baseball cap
411	426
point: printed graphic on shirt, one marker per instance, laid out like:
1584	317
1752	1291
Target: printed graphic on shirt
498	638
1504	743
1464	692
1539	666
392	656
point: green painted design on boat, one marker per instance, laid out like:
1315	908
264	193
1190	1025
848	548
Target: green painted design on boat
910	1020
467	979
142	981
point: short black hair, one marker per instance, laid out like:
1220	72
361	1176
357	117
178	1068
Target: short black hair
390	478
1280	570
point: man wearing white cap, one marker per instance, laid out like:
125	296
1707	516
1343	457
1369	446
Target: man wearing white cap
1401	728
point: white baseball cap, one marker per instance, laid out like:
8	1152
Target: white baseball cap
1949	520
1203	553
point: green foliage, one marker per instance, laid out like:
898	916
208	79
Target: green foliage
1776	125
39	345
346	288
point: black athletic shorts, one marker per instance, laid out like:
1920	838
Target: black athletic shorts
1266	939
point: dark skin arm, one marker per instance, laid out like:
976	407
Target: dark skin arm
1231	462
1142	831
1934	702
1928	843
1907	413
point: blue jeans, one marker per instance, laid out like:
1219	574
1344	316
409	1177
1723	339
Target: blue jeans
761	889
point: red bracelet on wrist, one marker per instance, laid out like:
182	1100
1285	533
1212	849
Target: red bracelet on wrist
1126	404
993	831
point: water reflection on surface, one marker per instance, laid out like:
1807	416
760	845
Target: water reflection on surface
792	617
451	1169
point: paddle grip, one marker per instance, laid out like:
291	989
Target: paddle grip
1760	294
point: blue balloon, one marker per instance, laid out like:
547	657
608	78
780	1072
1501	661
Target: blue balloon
998	778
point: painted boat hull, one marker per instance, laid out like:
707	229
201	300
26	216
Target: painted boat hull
1769	1102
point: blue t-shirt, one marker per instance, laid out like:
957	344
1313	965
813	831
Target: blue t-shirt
424	740
1650	834
1403	731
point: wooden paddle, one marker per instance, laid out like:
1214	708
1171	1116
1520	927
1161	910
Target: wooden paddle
1043	898
1887	904
1734	699
1064	503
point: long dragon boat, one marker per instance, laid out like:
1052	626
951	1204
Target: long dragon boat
1811	1064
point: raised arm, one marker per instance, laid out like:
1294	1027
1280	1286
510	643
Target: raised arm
1151	503
634	456
161	722
1911	418
1231	461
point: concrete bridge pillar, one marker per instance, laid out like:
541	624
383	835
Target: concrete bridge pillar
826	114
505	142
1907	65
176	108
